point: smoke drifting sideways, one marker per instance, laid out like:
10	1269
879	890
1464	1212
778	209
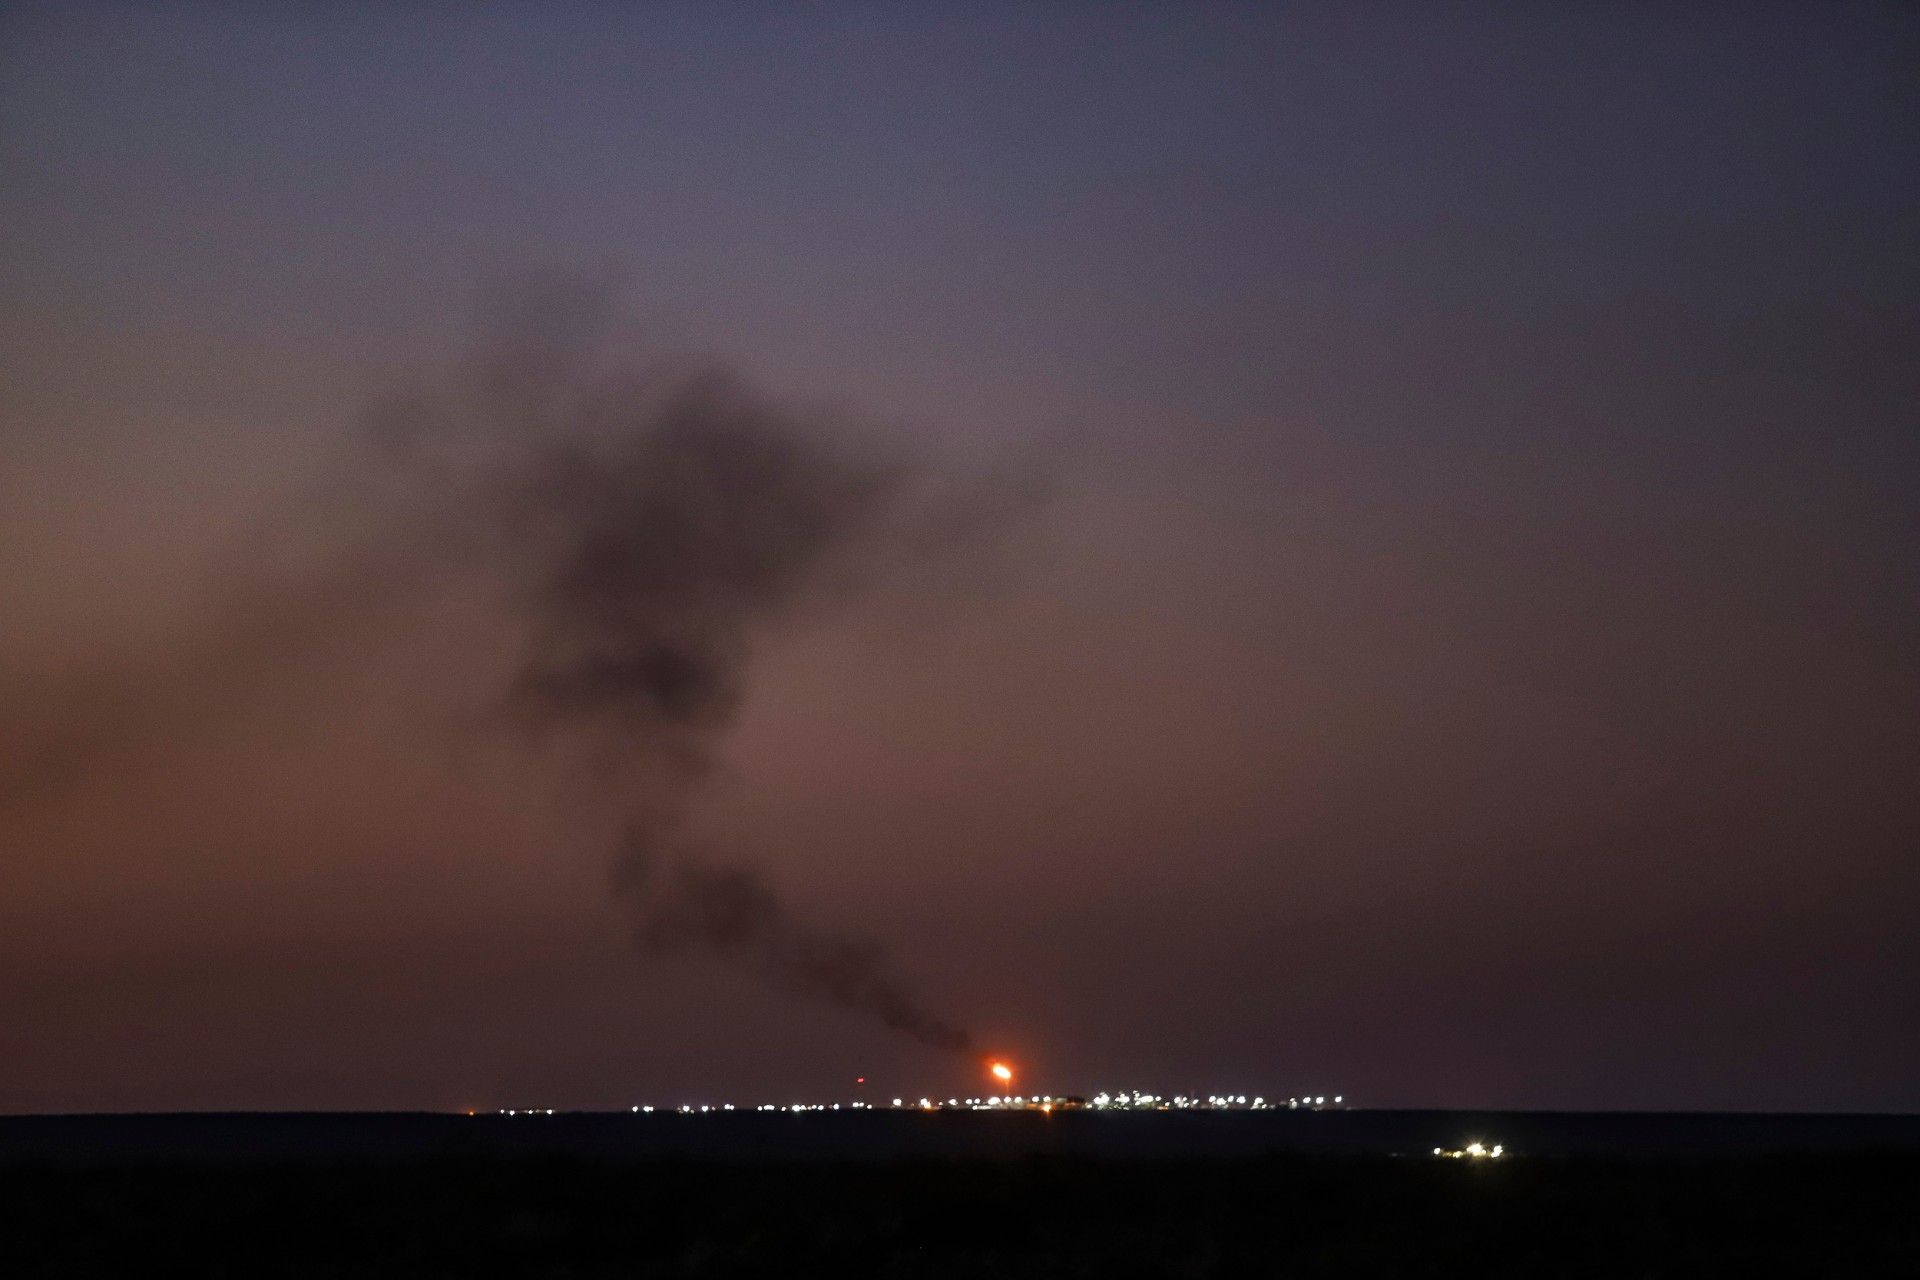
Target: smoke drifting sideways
644	530
697	903
667	536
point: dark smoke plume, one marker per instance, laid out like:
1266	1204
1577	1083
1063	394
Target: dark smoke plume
658	550
638	533
694	904
693	517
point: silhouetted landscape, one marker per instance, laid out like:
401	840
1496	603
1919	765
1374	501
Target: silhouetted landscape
953	1195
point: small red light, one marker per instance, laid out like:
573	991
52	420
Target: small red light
859	1079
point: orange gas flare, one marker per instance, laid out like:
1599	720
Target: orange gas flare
1001	1072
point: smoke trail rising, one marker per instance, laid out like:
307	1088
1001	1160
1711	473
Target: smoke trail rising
702	518
694	904
639	534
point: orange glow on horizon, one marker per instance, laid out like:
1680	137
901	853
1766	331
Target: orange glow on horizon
1002	1072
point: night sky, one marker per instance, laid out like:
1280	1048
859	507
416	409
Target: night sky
1327	548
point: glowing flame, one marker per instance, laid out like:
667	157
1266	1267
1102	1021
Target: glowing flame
1001	1072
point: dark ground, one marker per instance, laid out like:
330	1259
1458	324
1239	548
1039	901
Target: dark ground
1037	1216
904	1194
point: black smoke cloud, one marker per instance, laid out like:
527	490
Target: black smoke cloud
641	531
659	552
703	516
689	903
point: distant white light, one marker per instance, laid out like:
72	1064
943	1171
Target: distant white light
1475	1150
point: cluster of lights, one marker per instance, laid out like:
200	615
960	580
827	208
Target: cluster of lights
1003	1102
1124	1101
1472	1151
1120	1101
